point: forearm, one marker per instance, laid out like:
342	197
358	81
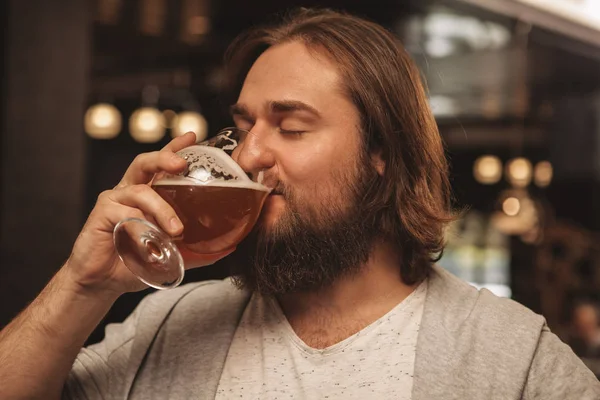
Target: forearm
38	348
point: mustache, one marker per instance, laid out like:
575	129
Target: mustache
281	189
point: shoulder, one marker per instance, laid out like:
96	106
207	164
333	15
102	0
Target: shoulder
189	329
157	333
479	326
213	292
208	299
464	304
474	340
204	301
488	346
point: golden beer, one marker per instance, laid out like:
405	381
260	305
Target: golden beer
215	217
215	199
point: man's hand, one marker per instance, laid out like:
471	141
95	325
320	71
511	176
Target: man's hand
94	264
39	347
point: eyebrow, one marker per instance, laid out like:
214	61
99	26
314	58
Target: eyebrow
239	109
291	106
280	106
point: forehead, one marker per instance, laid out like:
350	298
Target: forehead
291	71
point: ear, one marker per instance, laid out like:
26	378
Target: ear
377	162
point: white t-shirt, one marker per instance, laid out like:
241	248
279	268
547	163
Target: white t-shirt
267	360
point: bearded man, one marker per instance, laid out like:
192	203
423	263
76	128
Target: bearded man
335	294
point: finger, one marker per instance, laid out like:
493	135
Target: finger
142	197
146	165
108	214
181	142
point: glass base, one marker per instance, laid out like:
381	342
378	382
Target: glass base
149	253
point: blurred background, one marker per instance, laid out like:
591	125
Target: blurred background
514	85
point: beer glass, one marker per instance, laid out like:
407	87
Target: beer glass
215	199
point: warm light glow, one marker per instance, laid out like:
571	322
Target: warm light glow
198	25
511	206
487	169
147	125
517	214
102	118
152	17
190	121
102	121
195	22
542	174
518	172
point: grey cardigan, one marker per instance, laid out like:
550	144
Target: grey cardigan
471	345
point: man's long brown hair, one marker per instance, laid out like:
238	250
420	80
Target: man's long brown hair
412	199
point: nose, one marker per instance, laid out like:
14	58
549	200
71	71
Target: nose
254	154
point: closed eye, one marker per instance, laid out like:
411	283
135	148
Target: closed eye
290	132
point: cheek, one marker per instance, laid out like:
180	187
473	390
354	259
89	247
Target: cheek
319	156
307	167
318	178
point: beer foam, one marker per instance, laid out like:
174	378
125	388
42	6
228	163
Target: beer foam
208	163
174	180
210	166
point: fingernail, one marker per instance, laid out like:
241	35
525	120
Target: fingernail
189	132
175	224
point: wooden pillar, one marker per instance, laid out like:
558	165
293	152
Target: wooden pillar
42	153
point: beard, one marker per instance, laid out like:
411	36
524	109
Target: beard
310	247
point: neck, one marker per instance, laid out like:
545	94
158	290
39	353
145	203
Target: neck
331	314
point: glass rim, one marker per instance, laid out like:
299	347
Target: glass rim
223	131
